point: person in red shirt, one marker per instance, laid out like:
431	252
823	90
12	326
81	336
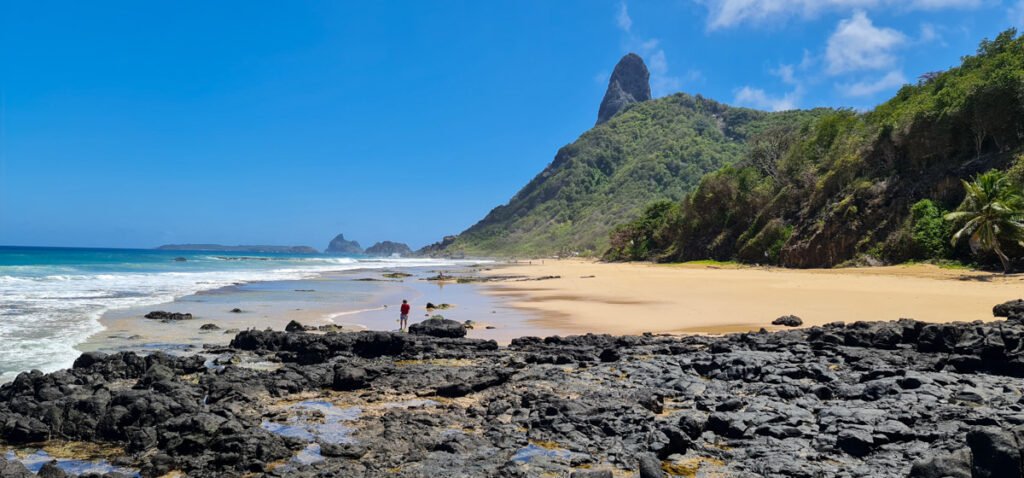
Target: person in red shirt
403	320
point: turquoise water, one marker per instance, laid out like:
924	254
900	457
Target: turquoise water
51	299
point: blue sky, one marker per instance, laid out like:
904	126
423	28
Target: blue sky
130	124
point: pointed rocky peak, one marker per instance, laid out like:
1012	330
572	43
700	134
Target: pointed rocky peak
630	83
341	246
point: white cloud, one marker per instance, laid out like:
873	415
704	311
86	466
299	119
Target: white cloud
730	13
757	98
662	83
858	45
625	23
892	80
786	73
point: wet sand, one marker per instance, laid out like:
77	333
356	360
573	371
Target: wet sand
354	300
633	298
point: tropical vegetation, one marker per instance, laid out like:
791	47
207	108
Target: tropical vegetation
848	187
992	214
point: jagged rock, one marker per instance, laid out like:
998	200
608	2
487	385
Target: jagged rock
438	327
788	321
629	83
339	245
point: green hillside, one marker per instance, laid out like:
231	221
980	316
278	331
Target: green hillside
653	150
850	186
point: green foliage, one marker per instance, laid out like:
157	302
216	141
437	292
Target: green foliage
840	184
991	214
929	231
655	150
635	240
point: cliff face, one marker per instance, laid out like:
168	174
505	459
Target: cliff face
388	248
339	245
630	83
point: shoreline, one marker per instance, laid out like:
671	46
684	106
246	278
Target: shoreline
351	300
633	298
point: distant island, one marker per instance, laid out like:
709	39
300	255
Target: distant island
388	248
223	248
339	245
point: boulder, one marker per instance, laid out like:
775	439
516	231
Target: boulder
294	326
438	327
349	378
649	466
995	453
168	316
1009	309
13	469
788	321
51	470
209	327
945	465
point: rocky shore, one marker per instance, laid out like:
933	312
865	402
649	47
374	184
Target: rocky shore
879	399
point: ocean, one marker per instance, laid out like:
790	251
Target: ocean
52	299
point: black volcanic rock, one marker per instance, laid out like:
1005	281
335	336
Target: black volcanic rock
878	399
630	83
387	248
339	245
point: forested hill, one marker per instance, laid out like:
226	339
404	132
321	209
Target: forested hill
851	186
649	150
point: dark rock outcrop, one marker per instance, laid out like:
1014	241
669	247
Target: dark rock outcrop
788	321
886	399
438	327
339	245
629	83
168	316
388	248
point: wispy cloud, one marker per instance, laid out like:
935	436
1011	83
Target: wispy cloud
625	23
857	44
891	80
730	13
758	98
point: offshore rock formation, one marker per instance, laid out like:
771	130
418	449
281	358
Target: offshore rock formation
388	248
880	399
630	83
339	245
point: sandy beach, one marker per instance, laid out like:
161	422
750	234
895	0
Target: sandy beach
632	298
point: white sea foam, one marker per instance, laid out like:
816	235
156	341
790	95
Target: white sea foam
43	316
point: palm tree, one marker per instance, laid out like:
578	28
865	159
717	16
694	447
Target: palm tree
994	212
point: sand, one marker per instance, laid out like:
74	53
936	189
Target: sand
632	298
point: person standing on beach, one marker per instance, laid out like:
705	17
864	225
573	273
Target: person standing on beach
403	319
